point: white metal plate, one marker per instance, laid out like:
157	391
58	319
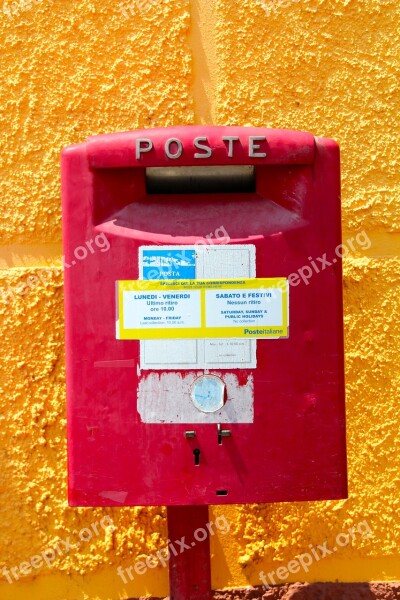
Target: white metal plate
212	262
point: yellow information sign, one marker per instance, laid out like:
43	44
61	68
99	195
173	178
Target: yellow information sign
193	308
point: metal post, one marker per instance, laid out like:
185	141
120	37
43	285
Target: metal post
189	567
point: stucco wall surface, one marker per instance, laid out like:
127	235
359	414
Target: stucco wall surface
75	68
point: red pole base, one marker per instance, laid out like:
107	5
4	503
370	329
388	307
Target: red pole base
189	564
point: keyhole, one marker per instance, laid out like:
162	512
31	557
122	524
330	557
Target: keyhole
196	453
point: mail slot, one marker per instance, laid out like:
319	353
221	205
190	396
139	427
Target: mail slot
204	321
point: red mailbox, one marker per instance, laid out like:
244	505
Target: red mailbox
204	323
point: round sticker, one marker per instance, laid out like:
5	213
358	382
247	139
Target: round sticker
208	393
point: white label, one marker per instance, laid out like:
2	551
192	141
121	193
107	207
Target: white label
161	309
230	308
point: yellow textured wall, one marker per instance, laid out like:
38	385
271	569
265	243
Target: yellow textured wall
74	68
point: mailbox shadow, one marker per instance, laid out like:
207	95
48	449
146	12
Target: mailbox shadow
321	591
308	591
312	591
203	77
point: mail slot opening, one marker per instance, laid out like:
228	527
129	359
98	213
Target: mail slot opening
277	202
236	179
